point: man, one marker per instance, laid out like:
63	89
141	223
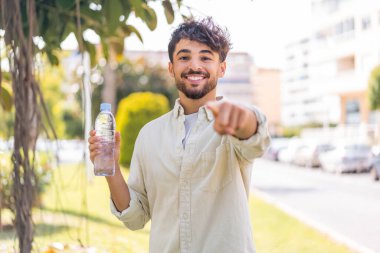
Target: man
190	170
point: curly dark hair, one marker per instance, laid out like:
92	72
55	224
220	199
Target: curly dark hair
204	31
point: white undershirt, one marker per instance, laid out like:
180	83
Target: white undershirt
189	123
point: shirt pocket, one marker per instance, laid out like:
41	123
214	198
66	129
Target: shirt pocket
216	169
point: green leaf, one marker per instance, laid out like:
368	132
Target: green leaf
53	59
169	12
117	45
129	29
137	7
112	10
150	17
6	100
66	4
93	18
136	4
105	48
179	3
43	22
90	48
126	8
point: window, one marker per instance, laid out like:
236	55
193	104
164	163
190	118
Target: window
352	112
366	23
339	28
349	25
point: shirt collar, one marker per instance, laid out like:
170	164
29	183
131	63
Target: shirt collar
178	109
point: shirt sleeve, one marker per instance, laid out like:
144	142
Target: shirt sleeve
256	145
137	214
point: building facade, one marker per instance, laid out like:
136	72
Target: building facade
326	76
267	95
236	84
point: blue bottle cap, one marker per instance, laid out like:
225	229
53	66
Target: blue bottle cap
105	107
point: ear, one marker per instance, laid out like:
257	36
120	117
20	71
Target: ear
170	69
222	69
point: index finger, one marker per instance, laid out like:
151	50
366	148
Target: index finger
213	107
92	139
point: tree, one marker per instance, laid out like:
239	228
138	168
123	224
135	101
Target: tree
39	26
153	78
134	76
374	89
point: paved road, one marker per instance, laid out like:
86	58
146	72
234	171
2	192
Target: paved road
346	207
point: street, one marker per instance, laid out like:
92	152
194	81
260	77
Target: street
345	207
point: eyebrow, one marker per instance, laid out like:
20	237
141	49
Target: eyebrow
183	51
204	51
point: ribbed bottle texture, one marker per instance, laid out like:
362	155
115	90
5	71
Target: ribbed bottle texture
104	163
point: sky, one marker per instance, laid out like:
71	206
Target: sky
260	27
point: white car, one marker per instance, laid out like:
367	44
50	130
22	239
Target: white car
347	158
288	153
308	155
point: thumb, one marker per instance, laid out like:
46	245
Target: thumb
213	107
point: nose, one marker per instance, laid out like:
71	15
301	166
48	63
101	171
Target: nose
195	64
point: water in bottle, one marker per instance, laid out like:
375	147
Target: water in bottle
104	163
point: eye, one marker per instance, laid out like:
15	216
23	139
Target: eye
205	58
184	58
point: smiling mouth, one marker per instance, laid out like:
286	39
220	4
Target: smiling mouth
194	78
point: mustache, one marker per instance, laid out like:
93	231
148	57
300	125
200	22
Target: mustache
194	72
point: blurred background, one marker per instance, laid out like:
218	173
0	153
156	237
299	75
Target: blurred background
312	66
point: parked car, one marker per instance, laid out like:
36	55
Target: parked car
308	154
347	158
375	168
287	154
277	144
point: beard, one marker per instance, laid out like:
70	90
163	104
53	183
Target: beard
195	94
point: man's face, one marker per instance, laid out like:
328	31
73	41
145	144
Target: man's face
195	68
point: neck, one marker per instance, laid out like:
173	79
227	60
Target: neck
192	105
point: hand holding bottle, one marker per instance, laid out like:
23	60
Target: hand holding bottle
104	142
95	144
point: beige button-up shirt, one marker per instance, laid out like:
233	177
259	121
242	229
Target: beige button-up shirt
195	196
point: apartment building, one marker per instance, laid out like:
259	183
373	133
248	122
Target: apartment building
236	83
326	75
267	95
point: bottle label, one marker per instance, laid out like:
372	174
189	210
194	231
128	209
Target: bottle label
106	135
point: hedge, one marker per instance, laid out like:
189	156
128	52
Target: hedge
132	114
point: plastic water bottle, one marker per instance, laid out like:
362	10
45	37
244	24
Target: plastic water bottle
104	163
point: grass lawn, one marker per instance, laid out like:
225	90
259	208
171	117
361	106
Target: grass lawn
76	212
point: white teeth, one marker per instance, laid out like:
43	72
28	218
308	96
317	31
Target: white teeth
195	78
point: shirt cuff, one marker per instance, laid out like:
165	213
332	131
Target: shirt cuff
256	145
128	214
262	130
